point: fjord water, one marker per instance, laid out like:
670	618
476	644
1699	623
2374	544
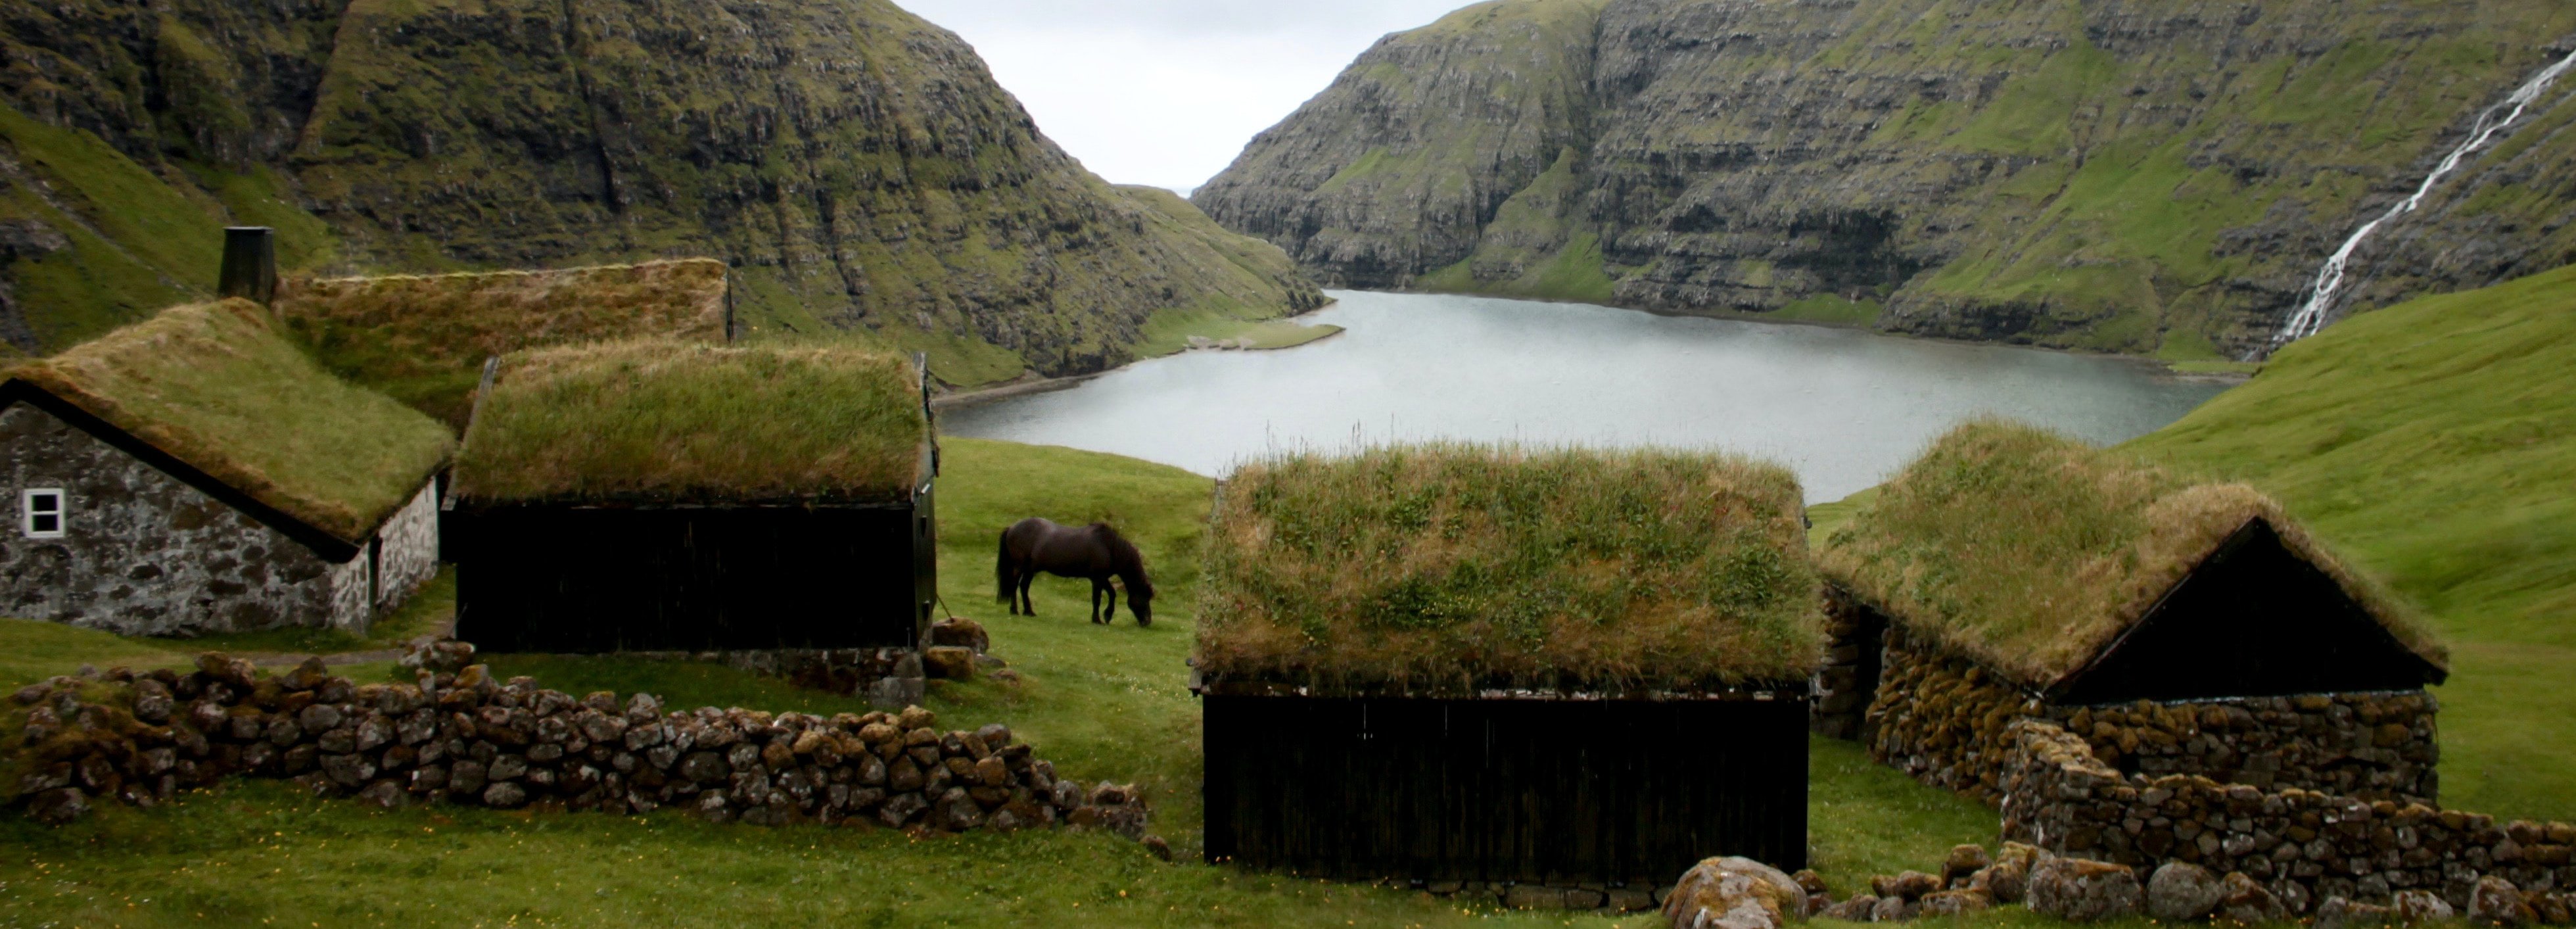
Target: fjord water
1844	407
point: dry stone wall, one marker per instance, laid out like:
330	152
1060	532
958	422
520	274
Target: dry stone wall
2304	846
1943	719
1848	678
466	738
2374	746
1948	722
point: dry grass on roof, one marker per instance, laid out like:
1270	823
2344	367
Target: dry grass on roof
218	386
423	338
2031	551
659	421
1447	569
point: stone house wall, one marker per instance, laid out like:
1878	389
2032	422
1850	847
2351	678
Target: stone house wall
2305	845
145	553
1848	679
407	549
1948	722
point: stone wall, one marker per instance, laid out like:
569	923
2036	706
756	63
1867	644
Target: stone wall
407	550
1943	719
2375	746
2306	846
465	738
1848	679
1948	721
144	553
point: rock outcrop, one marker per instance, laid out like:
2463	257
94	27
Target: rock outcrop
857	166
2126	175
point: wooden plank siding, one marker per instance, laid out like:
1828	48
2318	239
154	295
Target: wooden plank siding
1531	790
566	579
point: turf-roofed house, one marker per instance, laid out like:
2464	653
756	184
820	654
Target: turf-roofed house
1470	663
662	495
424	339
2178	626
197	473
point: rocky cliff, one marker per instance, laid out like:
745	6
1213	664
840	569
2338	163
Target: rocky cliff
2151	176
858	167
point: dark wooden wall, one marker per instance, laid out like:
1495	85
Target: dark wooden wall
2254	620
1553	791
592	580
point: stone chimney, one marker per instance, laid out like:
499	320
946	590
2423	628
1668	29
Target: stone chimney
250	264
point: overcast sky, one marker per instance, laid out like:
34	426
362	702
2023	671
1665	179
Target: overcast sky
1166	92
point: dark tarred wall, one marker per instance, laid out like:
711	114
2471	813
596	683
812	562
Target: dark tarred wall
591	580
1557	791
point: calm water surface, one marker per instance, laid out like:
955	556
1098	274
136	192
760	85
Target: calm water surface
1845	408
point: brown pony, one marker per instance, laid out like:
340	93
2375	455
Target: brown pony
1095	552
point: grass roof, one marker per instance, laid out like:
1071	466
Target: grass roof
1458	568
2031	551
218	386
423	338
662	421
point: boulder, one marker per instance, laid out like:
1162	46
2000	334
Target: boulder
1954	902
2497	902
1858	909
2180	891
1893	910
1964	860
1733	893
2081	890
948	662
2421	906
961	632
1909	885
1534	897
2007	880
1810	881
2243	900
2340	913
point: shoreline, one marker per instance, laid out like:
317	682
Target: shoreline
1027	383
2163	368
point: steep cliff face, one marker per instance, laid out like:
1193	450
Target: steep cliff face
858	166
2130	175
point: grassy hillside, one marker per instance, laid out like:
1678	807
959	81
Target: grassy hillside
2434	442
1102	702
2157	177
856	166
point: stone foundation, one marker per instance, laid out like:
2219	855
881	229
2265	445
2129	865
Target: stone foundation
1947	721
2305	846
1849	677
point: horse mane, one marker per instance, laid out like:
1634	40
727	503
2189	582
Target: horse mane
1131	563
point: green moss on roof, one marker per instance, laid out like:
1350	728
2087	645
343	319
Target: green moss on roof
423	338
666	421
1446	569
2031	551
220	387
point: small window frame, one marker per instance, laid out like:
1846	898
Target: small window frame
29	514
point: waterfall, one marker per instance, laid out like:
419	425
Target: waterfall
2490	125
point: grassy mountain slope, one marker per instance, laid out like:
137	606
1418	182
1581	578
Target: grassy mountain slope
2433	442
2132	175
856	165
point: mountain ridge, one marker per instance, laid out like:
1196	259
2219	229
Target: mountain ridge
857	166
2121	176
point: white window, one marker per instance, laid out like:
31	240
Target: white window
42	512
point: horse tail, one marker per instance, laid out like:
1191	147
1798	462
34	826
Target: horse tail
1002	567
